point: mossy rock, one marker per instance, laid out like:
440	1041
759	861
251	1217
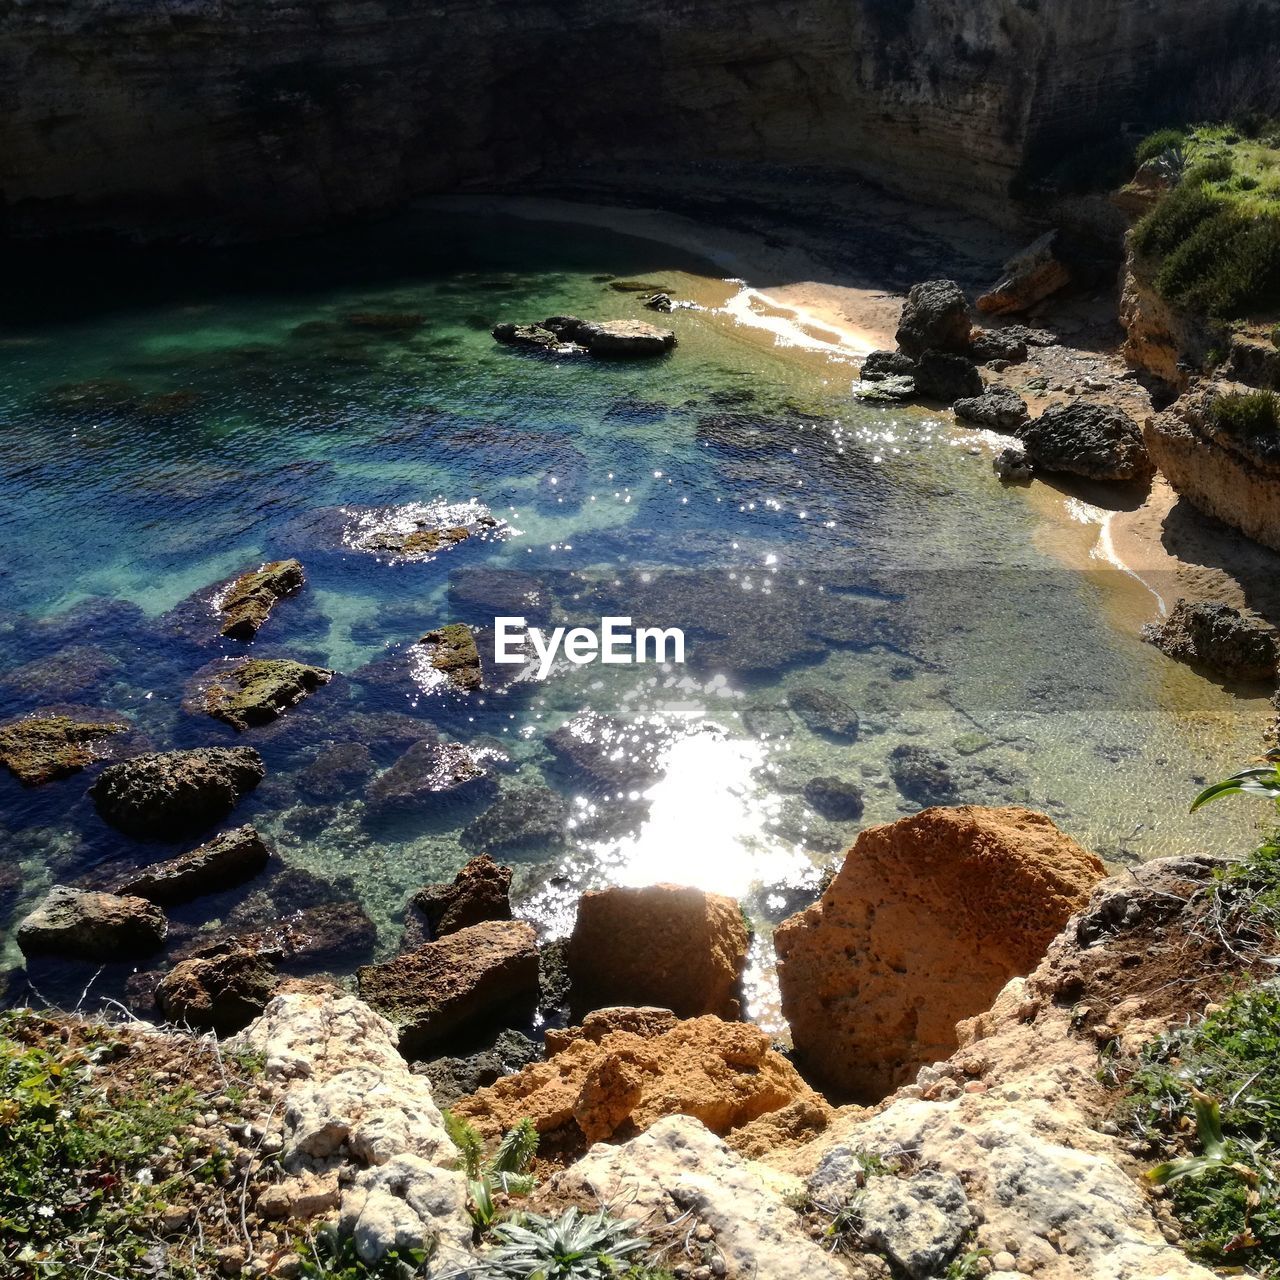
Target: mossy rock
453	652
251	596
43	748
254	691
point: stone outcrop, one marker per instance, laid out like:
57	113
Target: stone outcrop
626	1069
167	795
834	798
935	317
953	102
246	603
944	376
227	860
925	922
416	531
451	650
461	981
1029	277
625	339
678	1167
253	691
662	945
1217	637
996	409
92	926
1095	441
38	749
1160	339
1216	472
222	990
480	891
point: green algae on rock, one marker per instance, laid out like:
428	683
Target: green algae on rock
252	595
452	651
43	748
254	691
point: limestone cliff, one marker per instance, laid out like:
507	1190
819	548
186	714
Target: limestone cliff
228	117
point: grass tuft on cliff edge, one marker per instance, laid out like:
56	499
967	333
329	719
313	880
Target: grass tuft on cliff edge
1216	235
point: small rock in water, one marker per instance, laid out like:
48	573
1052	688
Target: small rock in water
834	798
254	691
1013	466
39	749
997	409
227	860
1218	637
94	926
922	775
452	651
480	891
250	598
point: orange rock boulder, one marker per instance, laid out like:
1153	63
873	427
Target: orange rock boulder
625	1069
928	918
664	945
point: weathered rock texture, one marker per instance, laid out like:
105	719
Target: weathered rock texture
480	891
221	863
1217	637
229	115
39	749
662	945
222	991
461	981
1096	441
254	691
246	603
625	1069
926	921
94	926
166	795
1216	472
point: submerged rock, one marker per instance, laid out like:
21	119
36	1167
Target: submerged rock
1096	441
429	772
460	982
480	891
337	770
1218	637
664	945
824	710
222	990
253	690
942	375
71	672
834	798
39	749
935	317
610	751
452	651
925	922
1028	277
167	795
532	336
227	860
92	926
521	817
250	598
997	409
626	1069
921	774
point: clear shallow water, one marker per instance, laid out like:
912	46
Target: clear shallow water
734	490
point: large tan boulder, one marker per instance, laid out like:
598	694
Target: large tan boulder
665	945
625	1069
927	920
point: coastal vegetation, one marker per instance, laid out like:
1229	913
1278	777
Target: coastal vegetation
1216	232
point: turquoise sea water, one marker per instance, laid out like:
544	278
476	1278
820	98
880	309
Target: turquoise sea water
159	438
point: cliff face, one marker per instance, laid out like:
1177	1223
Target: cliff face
256	116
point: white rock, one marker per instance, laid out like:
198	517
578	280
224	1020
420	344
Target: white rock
407	1203
679	1160
347	1092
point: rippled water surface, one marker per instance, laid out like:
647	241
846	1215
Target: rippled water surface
817	553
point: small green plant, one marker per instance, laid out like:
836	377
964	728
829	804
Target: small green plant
330	1256
1158	143
574	1246
1246	414
968	1266
506	1170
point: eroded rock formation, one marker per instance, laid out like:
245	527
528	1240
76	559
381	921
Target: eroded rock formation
926	921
